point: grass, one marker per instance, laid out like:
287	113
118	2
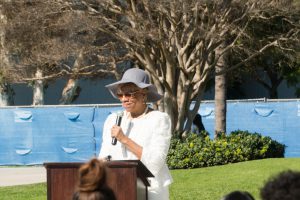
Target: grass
209	183
24	192
212	183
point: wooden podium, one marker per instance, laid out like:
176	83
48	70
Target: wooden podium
123	178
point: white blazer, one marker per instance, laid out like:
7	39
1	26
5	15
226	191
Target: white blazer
151	131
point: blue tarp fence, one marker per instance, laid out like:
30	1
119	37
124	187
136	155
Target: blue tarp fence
34	135
278	119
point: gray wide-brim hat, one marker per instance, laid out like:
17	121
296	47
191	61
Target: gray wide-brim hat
141	79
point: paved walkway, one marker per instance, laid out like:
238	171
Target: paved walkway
22	175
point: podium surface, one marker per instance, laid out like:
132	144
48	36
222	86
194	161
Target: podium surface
122	178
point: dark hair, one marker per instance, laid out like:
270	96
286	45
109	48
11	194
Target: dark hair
92	175
91	185
238	195
96	195
284	186
198	122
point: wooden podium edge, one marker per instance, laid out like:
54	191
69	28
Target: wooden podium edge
142	171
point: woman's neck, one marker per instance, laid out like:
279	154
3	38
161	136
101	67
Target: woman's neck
139	113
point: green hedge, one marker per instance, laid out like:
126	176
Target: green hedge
200	151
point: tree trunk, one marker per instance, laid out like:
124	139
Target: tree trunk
220	99
38	89
272	85
275	82
220	105
71	90
273	92
192	112
6	92
6	95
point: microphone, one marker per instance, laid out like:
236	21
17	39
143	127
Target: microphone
118	123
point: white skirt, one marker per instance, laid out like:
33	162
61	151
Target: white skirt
154	193
161	193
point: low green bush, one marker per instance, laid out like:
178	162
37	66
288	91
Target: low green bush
196	151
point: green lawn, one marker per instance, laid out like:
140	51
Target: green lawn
24	192
204	183
212	183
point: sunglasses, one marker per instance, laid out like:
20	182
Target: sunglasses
127	95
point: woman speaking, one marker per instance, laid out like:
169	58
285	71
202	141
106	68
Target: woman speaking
143	133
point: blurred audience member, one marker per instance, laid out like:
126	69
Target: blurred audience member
238	195
92	182
284	186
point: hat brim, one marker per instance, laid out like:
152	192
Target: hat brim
152	94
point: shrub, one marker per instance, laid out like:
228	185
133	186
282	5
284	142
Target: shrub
200	151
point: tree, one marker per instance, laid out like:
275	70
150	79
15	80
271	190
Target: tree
220	95
277	66
27	48
176	41
47	40
271	24
6	91
279	62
